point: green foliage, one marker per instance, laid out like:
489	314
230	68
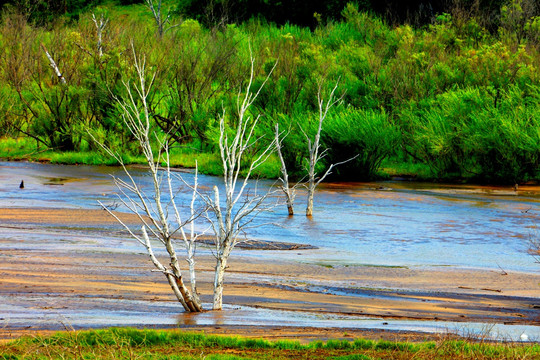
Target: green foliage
491	135
16	148
86	158
368	135
294	11
44	12
455	96
353	357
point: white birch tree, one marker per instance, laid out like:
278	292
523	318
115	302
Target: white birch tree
153	210
229	216
233	217
100	27
290	193
53	65
315	152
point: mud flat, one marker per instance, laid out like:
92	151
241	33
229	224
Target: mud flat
69	268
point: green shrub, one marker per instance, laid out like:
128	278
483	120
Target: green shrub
473	133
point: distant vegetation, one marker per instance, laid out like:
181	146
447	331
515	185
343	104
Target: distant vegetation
126	343
446	93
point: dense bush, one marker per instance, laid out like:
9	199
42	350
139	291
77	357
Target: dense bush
472	133
368	135
454	94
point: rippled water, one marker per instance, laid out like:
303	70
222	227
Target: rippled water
385	223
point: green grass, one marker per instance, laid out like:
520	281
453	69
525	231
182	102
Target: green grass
17	149
26	149
394	167
208	163
128	343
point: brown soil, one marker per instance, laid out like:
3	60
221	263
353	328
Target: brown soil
422	293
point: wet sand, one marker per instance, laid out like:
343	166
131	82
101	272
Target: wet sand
106	282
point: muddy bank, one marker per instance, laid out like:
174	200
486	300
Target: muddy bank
75	269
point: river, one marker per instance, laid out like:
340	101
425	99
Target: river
384	223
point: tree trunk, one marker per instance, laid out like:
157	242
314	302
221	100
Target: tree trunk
290	208
192	302
176	290
310	195
193	281
289	194
309	208
53	65
219	274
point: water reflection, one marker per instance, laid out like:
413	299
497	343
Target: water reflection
206	318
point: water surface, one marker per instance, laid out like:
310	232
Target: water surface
387	223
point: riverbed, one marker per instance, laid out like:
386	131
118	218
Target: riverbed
391	255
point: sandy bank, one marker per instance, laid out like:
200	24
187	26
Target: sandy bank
82	279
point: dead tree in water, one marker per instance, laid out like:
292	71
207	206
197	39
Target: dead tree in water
314	150
240	207
285	186
227	221
153	210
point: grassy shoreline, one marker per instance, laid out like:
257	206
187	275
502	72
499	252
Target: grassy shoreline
23	149
129	343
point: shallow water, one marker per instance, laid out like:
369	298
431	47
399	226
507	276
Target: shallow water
385	223
130	313
249	316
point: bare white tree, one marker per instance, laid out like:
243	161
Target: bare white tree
52	63
314	148
153	211
228	222
100	26
240	207
161	21
290	193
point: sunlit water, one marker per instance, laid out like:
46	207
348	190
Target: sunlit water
402	224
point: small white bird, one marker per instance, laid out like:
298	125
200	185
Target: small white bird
524	337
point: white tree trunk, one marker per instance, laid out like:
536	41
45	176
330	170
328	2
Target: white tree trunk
310	196
285	187
193	303
219	274
100	26
53	65
193	282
